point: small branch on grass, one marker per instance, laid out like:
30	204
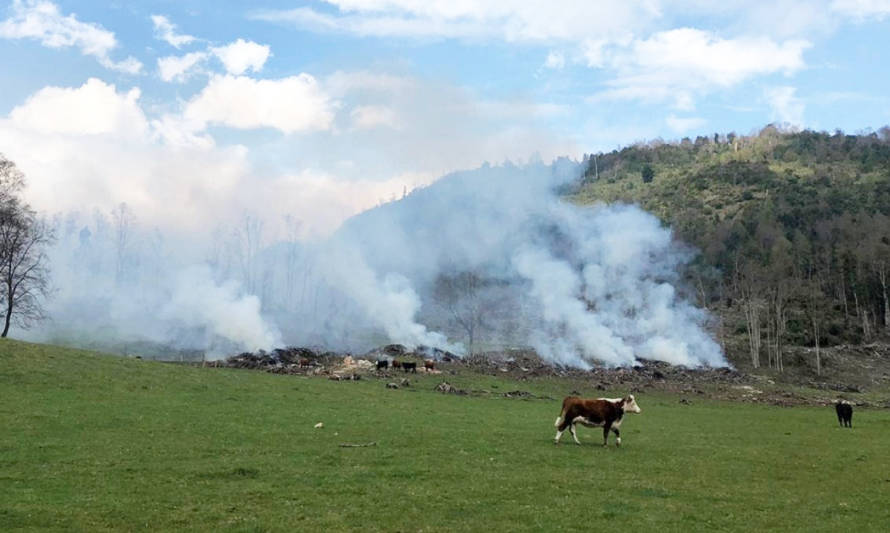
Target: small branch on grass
347	445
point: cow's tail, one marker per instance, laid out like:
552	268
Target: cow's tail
561	416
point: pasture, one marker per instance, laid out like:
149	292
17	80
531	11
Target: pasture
99	443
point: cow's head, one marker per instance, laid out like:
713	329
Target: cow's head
630	404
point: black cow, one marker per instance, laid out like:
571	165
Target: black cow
406	366
844	413
382	364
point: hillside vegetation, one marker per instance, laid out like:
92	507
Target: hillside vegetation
793	230
102	443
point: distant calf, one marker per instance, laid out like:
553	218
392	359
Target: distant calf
382	364
429	364
406	366
607	413
305	362
396	363
844	413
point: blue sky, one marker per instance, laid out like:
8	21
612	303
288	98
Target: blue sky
327	108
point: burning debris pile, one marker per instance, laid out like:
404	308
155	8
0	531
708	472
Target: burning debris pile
280	358
520	364
392	352
308	361
526	362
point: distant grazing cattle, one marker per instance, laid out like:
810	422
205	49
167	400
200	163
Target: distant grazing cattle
607	413
305	362
406	366
382	364
844	413
429	364
396	363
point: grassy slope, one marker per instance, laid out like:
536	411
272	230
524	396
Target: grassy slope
97	443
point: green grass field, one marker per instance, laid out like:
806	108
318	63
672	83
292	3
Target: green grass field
99	443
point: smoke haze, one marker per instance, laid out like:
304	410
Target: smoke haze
482	259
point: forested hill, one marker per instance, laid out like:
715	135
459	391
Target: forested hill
793	229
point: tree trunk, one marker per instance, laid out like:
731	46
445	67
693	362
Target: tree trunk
752	319
882	277
816	341
780	330
866	329
7	319
844	297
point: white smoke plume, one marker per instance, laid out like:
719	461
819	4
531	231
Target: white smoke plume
582	285
483	259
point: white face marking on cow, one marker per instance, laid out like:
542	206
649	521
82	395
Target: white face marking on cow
630	404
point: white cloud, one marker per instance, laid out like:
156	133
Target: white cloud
178	132
340	83
675	65
593	52
555	60
90	147
41	20
92	109
166	31
439	128
679	64
292	104
684	124
179	68
372	116
242	55
509	20
862	9
785	106
93	147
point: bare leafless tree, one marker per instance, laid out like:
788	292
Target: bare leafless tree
24	272
471	302
123	220
12	180
246	244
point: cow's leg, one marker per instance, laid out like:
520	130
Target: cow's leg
617	436
606	429
575	435
563	425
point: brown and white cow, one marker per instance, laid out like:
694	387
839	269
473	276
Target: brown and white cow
607	413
